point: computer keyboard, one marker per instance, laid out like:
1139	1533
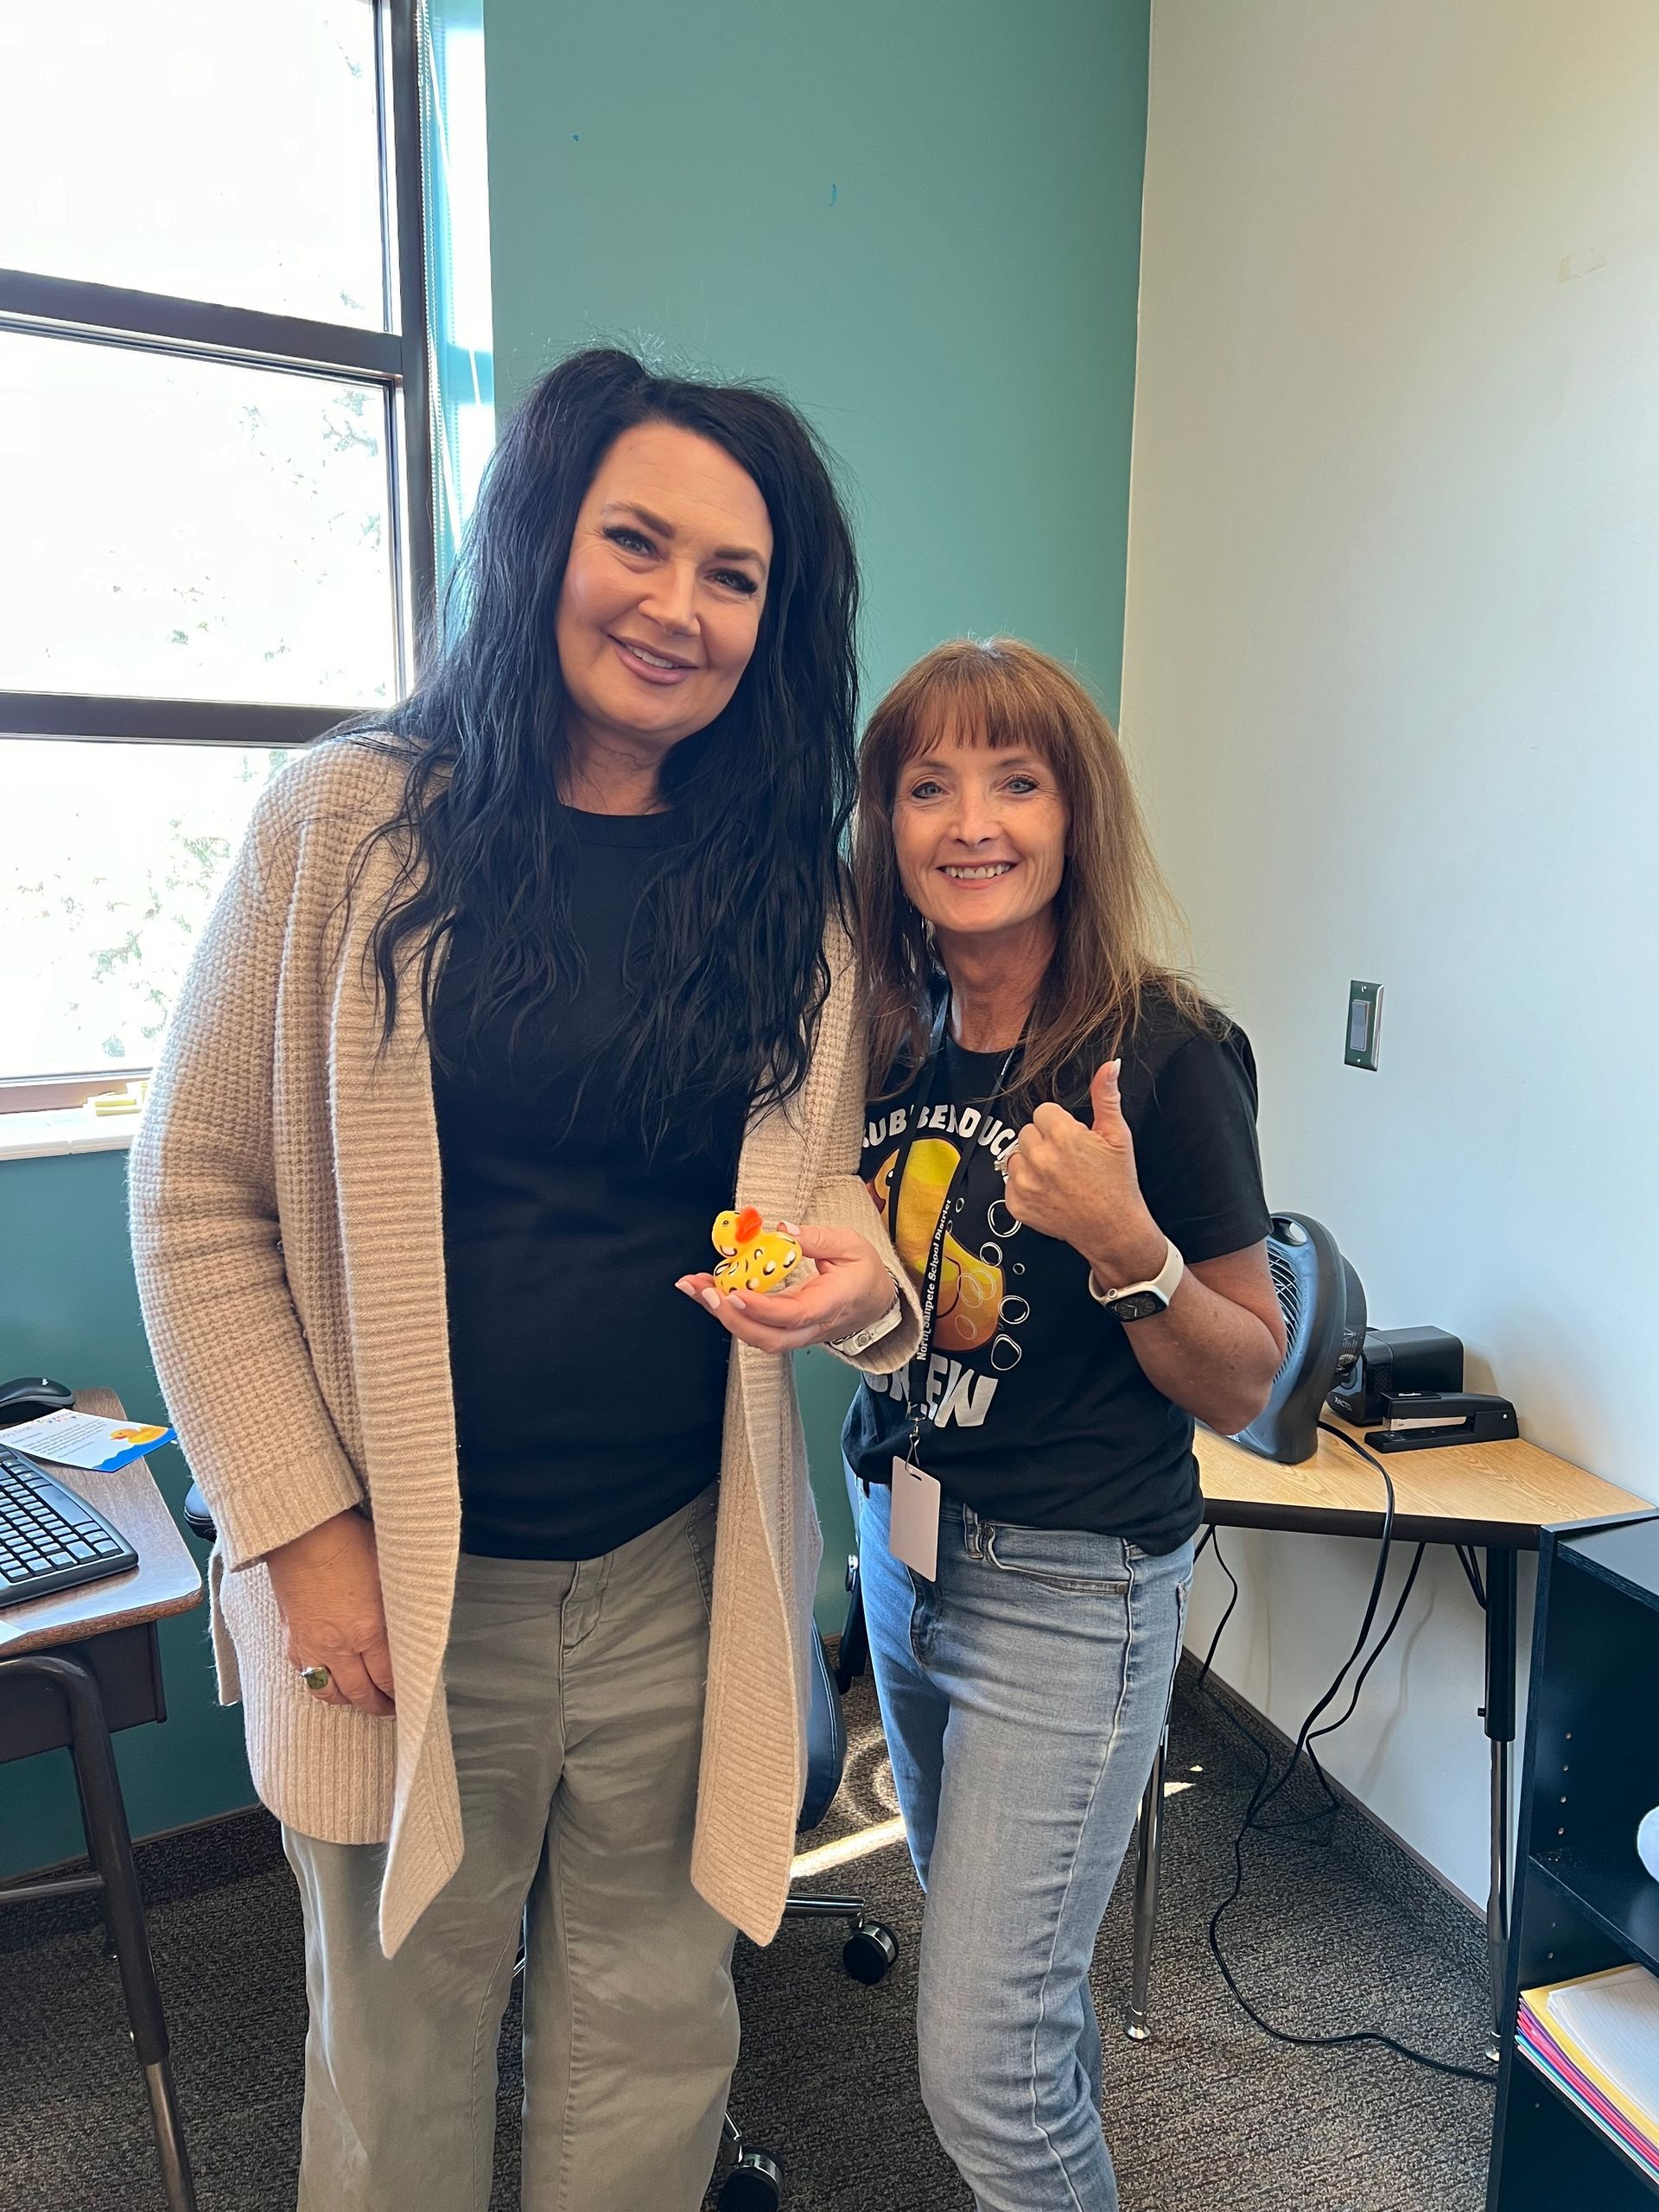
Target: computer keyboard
49	1538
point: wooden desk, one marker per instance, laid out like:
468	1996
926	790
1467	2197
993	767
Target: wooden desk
1498	1497
73	1664
166	1580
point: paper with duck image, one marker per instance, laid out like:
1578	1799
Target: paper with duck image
73	1440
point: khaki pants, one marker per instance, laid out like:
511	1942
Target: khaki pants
576	1695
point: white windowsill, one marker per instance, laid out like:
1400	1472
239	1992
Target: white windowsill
41	1136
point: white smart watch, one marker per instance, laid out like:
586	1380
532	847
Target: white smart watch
1136	1301
849	1347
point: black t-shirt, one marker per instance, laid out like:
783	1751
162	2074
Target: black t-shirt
1039	1413
588	1391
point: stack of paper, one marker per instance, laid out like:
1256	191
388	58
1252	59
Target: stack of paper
1597	2040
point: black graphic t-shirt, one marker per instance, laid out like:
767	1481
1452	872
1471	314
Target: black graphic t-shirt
589	1393
1037	1411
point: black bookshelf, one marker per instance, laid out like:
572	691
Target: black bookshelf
1583	1901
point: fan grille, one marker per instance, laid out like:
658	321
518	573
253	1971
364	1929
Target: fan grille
1288	1285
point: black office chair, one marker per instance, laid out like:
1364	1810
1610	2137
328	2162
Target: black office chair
71	1696
755	2181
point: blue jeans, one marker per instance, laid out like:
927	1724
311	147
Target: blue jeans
1023	1694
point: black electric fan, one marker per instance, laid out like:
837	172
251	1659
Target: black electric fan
1324	1305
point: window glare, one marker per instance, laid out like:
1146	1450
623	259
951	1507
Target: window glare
216	150
460	124
179	523
197	530
458	215
115	855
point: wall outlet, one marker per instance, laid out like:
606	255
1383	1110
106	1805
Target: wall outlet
1364	1024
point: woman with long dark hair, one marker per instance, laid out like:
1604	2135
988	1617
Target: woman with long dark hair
510	994
1061	1138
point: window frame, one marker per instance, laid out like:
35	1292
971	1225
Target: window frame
396	362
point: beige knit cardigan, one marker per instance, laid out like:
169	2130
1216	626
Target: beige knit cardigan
286	1203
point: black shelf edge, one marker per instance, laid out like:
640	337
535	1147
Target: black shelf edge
1626	1554
1624	1906
1595	2125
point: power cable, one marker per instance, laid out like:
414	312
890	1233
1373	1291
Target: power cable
1267	1790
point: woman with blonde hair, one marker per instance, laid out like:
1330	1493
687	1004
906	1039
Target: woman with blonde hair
1061	1139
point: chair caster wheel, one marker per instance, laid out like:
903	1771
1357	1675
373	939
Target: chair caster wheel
869	1951
755	2184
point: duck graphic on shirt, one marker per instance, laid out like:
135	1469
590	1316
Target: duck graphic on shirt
970	1289
980	1311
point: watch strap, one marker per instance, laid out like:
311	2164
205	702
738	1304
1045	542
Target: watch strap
1162	1286
849	1347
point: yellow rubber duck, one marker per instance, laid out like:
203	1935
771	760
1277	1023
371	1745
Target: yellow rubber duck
753	1256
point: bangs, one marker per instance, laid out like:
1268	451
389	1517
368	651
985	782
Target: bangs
1117	923
979	696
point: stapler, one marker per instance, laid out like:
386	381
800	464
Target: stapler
1421	1420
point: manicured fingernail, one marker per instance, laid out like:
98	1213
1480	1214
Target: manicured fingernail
711	1300
790	1228
736	1297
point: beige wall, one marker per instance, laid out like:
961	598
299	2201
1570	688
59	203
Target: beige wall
1391	673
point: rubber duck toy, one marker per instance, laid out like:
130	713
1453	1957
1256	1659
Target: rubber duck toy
753	1256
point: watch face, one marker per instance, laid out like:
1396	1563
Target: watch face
1140	1304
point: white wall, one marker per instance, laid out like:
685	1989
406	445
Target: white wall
1391	675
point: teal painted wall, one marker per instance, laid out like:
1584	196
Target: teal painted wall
922	221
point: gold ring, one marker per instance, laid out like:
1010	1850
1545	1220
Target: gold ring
316	1680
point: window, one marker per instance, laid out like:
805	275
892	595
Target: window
215	468
458	263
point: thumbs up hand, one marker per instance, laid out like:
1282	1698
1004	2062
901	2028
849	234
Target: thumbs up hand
1106	1106
1080	1184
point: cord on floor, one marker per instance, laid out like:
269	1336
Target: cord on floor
1267	1790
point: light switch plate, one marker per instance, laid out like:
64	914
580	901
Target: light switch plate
1364	1024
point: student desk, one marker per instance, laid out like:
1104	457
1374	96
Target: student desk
73	1665
1496	1496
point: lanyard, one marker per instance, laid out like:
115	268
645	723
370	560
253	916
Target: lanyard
915	1405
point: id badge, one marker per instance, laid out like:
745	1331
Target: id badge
914	1534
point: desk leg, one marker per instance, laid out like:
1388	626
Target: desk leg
1501	1633
111	1844
1149	1855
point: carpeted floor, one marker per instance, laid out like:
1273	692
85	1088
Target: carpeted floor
1330	1935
